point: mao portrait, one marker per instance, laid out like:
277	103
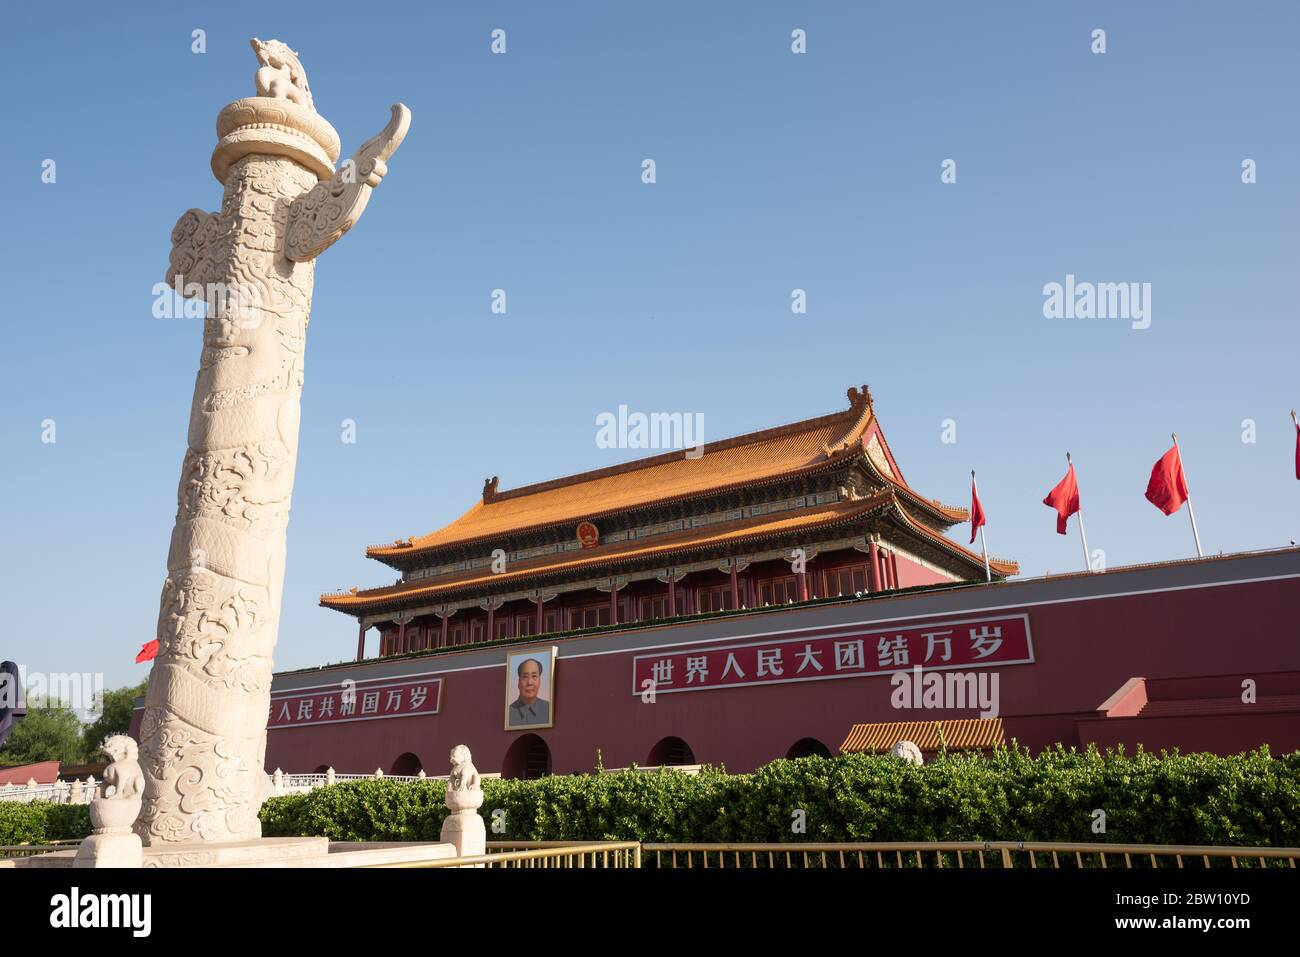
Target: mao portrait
530	686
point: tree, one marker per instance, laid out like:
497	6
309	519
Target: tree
49	732
114	719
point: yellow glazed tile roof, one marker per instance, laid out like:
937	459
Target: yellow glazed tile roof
742	461
598	558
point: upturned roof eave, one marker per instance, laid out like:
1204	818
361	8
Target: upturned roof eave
383	553
881	501
887	501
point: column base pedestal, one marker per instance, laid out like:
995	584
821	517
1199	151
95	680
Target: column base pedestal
266	852
464	830
110	850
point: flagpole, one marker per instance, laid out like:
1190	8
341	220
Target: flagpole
1196	536
1083	536
988	575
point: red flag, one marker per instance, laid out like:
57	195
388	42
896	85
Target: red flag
1167	489
976	511
1065	499
1297	450
148	652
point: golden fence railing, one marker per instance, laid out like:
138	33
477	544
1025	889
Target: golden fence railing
965	854
861	855
31	850
546	854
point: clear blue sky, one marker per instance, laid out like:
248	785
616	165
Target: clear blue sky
775	171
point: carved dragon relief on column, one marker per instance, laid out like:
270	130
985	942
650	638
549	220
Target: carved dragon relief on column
203	732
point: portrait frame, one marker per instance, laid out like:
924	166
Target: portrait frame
546	656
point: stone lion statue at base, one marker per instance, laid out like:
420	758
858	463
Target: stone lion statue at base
464	787
123	779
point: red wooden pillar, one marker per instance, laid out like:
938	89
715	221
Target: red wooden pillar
361	641
492	617
803	586
877	584
735	586
613	602
442	630
541	602
401	636
672	595
893	568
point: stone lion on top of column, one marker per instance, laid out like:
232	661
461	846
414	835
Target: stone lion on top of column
281	75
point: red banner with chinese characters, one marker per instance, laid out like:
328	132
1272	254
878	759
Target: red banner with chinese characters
937	646
356	701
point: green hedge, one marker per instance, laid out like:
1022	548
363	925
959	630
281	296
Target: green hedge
1251	799
41	822
1246	800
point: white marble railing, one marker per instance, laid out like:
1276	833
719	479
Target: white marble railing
682	768
83	792
302	783
60	792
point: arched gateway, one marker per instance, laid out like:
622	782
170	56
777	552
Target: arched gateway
670	752
529	757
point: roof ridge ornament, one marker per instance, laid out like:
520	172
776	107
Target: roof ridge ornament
861	403
490	489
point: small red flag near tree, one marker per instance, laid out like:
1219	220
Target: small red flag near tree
1065	499
1167	489
148	652
976	509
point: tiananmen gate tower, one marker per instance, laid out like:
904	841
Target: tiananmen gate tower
716	532
778	594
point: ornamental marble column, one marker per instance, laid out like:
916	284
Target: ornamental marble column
203	732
